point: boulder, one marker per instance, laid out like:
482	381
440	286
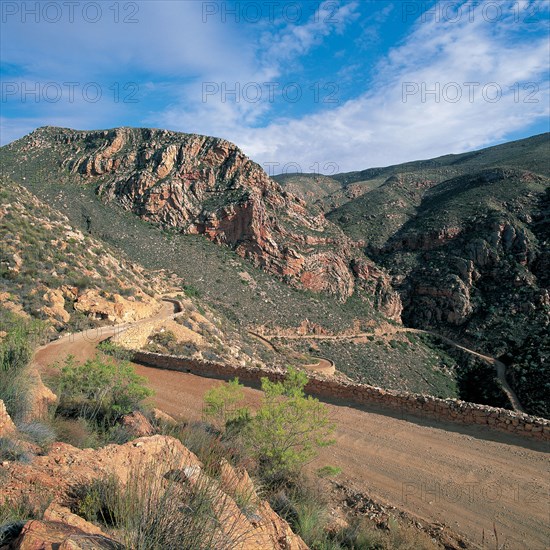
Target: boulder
137	425
50	535
7	427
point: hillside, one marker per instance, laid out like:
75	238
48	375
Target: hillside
254	255
52	271
199	185
469	253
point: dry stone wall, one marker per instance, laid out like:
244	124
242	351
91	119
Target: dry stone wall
450	410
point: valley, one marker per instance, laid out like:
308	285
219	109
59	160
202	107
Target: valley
417	294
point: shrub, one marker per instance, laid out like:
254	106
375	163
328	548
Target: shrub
191	291
285	432
12	450
39	433
164	342
14	515
289	428
210	446
110	348
77	432
99	391
155	510
329	471
15	354
223	404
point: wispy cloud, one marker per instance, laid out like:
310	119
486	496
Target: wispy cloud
385	126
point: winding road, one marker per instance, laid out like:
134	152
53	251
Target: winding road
500	368
469	478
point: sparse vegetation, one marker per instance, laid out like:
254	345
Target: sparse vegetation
285	432
99	391
153	511
15	352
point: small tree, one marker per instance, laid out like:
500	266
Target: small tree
99	391
223	405
287	430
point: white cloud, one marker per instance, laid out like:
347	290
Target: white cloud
376	128
380	128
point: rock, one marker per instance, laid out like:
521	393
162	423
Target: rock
41	398
51	535
115	308
204	185
7	427
56	308
137	425
60	514
160	417
237	482
257	528
375	280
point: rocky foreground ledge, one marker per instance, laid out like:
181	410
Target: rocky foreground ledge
54	477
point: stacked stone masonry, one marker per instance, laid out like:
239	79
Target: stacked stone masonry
452	410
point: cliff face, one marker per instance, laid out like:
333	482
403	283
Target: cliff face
204	185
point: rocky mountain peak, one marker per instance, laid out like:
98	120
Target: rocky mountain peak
205	185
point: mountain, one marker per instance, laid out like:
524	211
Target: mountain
456	245
466	240
201	185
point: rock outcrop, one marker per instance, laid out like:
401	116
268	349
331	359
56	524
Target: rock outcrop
7	427
163	458
115	308
40	398
204	185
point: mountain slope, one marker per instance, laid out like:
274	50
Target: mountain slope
443	232
470	253
200	185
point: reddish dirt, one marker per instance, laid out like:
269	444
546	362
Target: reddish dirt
467	478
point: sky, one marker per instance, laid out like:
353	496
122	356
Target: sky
300	86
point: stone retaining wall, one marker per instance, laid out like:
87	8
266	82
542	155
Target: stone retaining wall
429	407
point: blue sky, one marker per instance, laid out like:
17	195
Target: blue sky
325	86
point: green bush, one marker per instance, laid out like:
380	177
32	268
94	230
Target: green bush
99	391
191	291
284	434
223	404
289	428
110	348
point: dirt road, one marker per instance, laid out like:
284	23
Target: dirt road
467	478
500	368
